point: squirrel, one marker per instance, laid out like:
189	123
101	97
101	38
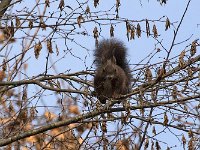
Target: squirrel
113	76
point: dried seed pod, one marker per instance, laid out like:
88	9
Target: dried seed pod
147	28
49	46
157	146
37	49
148	75
193	48
47	3
104	127
138	30
146	144
4	65
183	140
96	33
128	29
17	22
96	2
191	144
43	25
61	5
111	31
155	32
30	24
132	33
165	119
87	10
80	19
174	92
167	24
190	133
181	62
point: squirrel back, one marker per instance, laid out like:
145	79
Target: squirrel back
113	76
